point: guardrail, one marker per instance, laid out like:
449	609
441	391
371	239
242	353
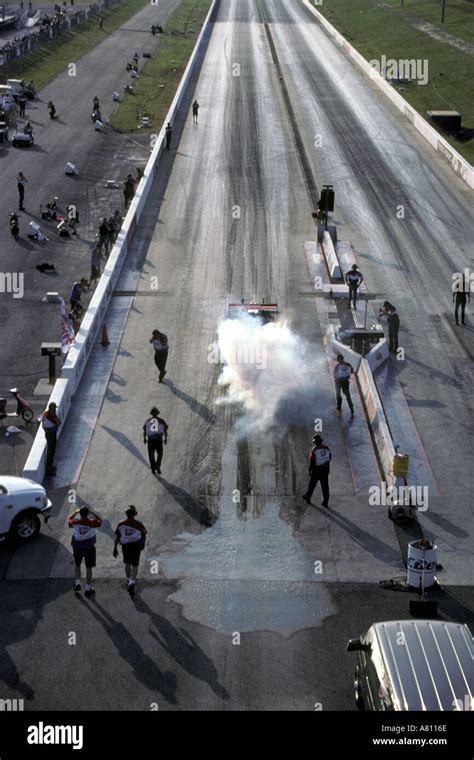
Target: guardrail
459	164
76	360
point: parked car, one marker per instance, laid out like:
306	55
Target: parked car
18	87
22	505
414	665
23	139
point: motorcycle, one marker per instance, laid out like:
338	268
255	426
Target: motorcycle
49	213
14	228
23	407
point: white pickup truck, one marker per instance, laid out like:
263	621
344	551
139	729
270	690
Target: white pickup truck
22	505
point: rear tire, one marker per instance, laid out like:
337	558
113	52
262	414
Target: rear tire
25	527
357	693
27	414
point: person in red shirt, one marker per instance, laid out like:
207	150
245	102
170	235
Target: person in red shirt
319	459
83	523
131	535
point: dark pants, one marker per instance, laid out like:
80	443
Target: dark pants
161	358
352	294
462	304
344	386
21	193
155	447
50	450
168	140
319	475
22	109
393	338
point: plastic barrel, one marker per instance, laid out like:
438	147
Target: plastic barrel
420	559
400	465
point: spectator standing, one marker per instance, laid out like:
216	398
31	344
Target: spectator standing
50	423
21	182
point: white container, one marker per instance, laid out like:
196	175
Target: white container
421	562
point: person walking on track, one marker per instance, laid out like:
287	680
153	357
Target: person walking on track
342	378
21	182
161	346
195	111
459	299
353	279
155	434
319	459
83	522
131	535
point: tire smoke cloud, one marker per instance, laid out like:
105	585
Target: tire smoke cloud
267	369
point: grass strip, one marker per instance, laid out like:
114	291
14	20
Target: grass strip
49	60
154	91
374	32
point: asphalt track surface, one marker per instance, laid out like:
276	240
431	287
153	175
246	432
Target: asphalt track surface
26	322
249	567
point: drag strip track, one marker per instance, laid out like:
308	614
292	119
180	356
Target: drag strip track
302	155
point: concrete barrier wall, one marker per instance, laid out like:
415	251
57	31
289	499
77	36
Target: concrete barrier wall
378	354
331	256
377	419
76	360
459	164
335	347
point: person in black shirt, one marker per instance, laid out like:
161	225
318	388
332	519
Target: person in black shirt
459	299
393	321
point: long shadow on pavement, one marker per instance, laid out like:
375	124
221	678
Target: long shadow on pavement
375	546
193	404
145	669
126	442
193	508
181	646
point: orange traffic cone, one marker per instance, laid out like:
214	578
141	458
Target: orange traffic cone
105	337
